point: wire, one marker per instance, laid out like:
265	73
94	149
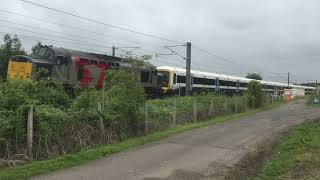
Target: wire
42	39
231	61
99	22
79	42
64	25
46	29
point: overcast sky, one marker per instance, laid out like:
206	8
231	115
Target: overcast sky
271	37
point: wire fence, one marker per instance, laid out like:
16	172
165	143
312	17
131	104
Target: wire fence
46	127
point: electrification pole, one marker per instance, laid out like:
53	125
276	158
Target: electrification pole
188	70
288	78
113	51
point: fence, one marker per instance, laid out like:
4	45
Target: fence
161	114
52	135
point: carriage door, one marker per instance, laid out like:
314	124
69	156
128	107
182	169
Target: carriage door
217	85
238	85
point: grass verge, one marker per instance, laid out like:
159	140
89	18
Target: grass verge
40	167
297	156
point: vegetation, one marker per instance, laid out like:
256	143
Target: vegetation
298	156
40	167
255	94
255	76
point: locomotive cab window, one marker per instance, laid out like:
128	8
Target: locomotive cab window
164	77
145	76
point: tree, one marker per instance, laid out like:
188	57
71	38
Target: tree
255	76
11	47
255	96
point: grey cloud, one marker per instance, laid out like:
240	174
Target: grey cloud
269	35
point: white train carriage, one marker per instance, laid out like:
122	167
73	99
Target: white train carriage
174	81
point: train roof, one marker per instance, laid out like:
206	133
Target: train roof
228	77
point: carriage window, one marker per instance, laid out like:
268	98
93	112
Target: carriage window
203	81
228	83
144	76
181	79
174	78
243	84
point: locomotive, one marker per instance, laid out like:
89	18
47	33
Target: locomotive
71	67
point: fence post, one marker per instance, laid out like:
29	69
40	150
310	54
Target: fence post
246	101
272	99
146	125
195	110
225	103
174	115
253	102
179	90
30	132
211	108
236	103
101	125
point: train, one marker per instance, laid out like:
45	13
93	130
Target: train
71	67
174	82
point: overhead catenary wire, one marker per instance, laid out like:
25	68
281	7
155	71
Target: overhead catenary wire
60	37
232	61
63	25
102	23
41	39
54	31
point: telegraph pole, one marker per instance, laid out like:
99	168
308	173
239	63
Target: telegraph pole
188	70
113	51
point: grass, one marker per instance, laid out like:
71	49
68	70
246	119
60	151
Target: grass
298	156
41	167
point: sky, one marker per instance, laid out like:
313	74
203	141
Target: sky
270	37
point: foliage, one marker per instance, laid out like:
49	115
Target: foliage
16	93
255	76
6	126
41	167
297	155
124	99
12	46
254	93
50	121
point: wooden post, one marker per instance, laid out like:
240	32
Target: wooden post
30	132
174	114
146	125
225	103
211	108
252	102
246	101
179	90
272	99
195	110
236	104
101	124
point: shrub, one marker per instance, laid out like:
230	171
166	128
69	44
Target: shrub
255	94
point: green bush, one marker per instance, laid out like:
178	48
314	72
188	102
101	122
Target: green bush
255	95
124	100
51	94
49	120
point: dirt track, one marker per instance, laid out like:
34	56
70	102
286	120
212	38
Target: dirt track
206	153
